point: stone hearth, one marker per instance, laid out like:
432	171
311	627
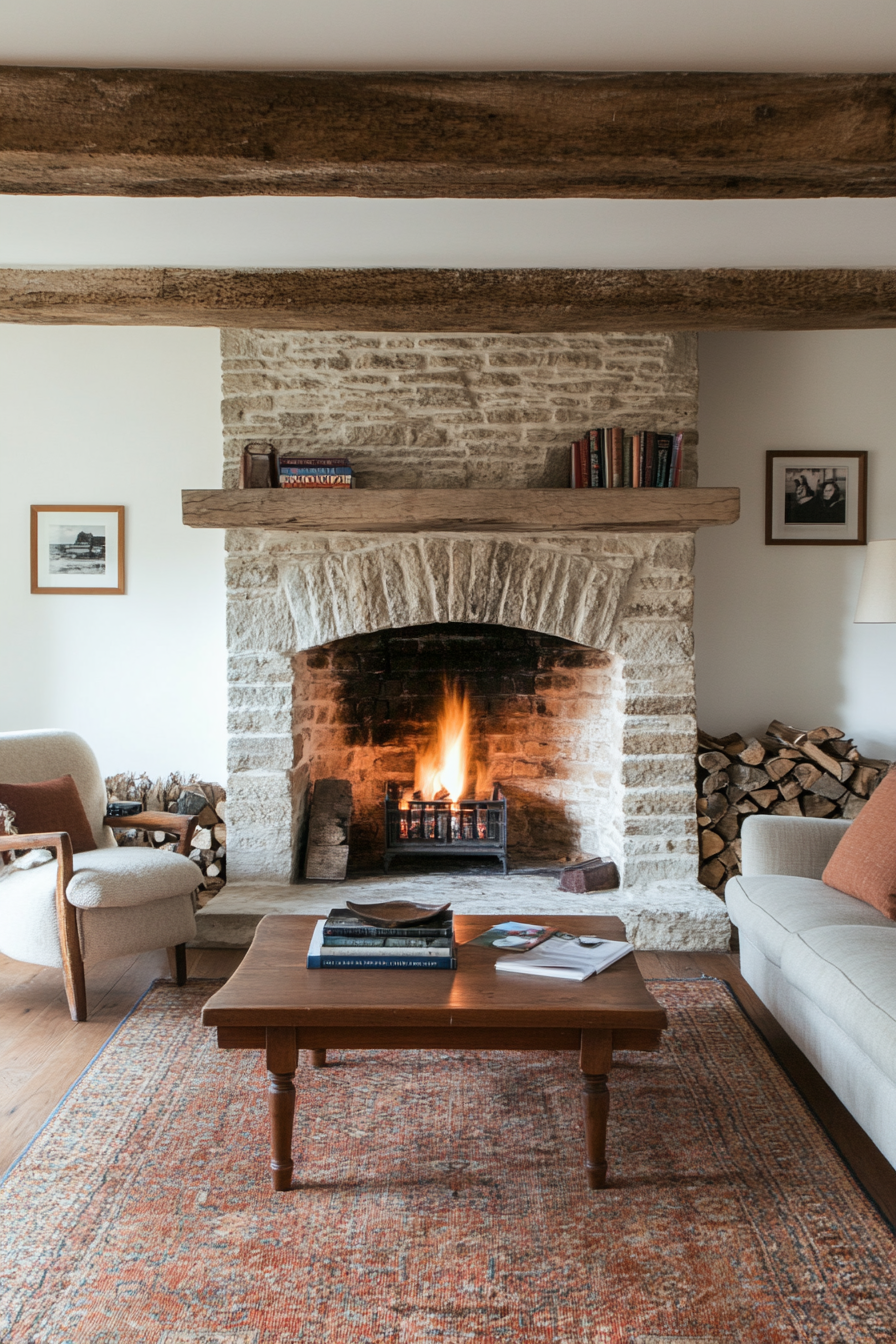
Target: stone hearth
605	745
671	914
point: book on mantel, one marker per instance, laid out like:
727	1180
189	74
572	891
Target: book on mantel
316	473
343	941
612	459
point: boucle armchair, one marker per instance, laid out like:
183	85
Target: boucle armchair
100	903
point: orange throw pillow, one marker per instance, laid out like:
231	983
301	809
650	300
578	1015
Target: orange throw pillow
864	863
54	805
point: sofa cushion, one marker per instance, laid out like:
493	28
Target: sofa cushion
767	909
864	862
129	875
52	805
798	846
850	974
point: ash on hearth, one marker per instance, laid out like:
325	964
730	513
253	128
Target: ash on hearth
185	795
784	772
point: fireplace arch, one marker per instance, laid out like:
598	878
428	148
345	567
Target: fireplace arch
423	580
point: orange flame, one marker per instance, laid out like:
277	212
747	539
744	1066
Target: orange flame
446	763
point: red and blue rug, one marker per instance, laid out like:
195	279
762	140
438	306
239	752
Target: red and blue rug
439	1197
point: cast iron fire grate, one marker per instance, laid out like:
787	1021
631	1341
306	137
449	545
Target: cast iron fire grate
468	828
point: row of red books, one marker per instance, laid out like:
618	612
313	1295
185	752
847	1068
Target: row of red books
612	459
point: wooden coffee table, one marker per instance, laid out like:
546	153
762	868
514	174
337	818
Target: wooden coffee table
273	1003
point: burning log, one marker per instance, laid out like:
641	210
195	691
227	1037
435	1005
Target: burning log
446	812
785	773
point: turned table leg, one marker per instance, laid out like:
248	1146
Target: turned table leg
595	1062
282	1058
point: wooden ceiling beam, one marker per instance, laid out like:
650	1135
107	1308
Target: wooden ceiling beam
219	133
455	300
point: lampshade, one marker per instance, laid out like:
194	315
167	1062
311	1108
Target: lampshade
877	595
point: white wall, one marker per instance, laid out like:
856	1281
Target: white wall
116	415
130	416
775	632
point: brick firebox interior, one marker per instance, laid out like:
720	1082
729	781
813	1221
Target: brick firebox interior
367	704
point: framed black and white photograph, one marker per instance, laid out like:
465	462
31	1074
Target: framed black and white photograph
815	499
77	548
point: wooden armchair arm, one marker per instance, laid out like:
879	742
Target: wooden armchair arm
175	822
51	840
66	914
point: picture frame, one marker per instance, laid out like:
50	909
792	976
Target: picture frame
77	549
816	498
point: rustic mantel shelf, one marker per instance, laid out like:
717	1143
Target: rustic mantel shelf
557	510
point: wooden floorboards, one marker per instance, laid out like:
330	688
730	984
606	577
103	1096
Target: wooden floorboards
42	1051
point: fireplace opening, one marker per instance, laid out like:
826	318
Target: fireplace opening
449	811
534	723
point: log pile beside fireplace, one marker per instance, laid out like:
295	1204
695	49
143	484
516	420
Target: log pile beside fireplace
783	772
186	794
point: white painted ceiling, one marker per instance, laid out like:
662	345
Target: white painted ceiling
773	35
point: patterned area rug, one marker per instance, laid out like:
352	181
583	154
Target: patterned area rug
440	1198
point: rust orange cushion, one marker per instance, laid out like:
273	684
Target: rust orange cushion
864	863
53	805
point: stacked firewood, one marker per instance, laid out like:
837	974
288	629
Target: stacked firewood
783	772
188	796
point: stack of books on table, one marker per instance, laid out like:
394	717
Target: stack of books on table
316	473
343	941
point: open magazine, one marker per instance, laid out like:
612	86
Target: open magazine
513	936
564	958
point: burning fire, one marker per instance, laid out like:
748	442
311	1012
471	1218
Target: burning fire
445	766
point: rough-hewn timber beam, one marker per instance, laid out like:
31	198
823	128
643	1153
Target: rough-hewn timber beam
216	133
461	300
463	510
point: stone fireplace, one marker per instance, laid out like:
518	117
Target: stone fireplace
305	611
574	648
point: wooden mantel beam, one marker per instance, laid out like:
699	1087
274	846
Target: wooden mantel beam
220	133
557	510
455	300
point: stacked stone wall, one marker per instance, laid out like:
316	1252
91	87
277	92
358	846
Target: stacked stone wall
462	411
440	410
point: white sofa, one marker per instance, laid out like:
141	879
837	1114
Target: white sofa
823	963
